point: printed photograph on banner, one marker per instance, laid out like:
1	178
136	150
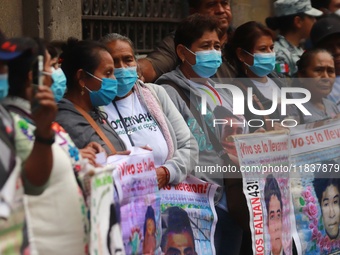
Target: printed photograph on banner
263	160
188	217
315	154
140	209
106	233
178	237
317	214
276	224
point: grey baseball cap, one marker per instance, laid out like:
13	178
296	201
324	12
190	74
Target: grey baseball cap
290	7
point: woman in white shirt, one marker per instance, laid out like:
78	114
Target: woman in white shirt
143	115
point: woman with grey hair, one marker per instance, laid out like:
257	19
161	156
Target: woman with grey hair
143	115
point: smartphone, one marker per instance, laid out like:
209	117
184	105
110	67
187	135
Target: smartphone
35	102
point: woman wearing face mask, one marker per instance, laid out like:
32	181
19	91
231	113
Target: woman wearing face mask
144	114
89	69
197	42
57	218
59	83
316	73
252	52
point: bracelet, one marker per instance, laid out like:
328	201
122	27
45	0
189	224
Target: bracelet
47	141
167	174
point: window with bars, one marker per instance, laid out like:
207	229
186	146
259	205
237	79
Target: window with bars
145	22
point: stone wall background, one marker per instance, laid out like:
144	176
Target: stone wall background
59	19
50	19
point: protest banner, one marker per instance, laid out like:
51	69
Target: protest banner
263	159
104	218
315	153
188	213
137	189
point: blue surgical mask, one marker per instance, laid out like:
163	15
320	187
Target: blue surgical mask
3	85
264	63
207	62
126	78
59	83
106	93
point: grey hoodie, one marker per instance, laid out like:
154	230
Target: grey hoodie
207	155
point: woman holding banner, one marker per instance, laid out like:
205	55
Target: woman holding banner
198	46
316	73
136	114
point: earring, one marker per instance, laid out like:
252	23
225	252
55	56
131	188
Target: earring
82	91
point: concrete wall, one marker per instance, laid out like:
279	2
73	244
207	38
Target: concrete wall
50	19
247	10
59	19
62	19
11	17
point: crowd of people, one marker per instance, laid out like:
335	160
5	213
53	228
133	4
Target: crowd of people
62	103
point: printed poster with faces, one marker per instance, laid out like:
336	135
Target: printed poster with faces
140	211
188	217
315	154
263	160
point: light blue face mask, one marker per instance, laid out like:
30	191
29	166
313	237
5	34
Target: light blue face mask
264	63
59	83
126	78
207	62
3	85
106	93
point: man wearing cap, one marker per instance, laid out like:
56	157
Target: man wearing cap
294	20
326	34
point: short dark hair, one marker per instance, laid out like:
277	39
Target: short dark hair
320	183
80	55
193	27
271	188
52	50
176	220
306	58
150	214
